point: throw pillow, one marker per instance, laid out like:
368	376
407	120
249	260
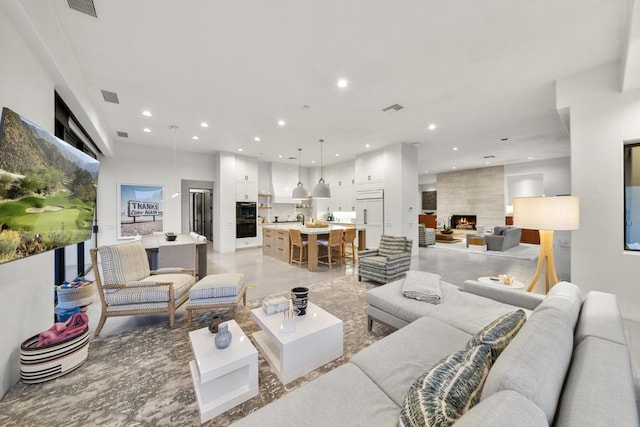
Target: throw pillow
422	286
499	333
442	395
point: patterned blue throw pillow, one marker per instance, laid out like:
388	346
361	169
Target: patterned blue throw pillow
442	395
499	333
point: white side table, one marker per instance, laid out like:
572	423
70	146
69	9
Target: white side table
317	340
222	378
490	281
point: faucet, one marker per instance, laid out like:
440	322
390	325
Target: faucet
300	218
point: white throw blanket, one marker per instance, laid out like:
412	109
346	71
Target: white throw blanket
422	286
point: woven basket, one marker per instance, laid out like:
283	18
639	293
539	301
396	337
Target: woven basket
75	297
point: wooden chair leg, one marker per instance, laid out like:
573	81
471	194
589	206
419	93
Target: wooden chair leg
103	319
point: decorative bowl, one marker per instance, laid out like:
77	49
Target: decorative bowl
170	236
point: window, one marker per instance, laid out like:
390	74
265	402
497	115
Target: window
632	197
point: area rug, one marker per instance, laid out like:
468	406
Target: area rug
523	251
142	377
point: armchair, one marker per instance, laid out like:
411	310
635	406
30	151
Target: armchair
503	238
389	262
128	287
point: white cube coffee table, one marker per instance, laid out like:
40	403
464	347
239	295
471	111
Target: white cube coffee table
317	340
222	378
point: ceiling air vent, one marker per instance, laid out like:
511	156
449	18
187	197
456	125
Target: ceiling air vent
491	156
123	134
110	96
85	6
394	107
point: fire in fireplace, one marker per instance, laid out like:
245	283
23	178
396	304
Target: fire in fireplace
463	222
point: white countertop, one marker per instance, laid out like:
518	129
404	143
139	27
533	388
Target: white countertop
308	230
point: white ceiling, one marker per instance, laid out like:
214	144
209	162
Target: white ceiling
480	71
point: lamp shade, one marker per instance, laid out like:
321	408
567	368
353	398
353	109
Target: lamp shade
547	213
321	190
299	192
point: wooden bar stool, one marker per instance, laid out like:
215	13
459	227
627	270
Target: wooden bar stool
334	242
295	240
349	242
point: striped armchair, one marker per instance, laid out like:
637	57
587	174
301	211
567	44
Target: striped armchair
389	262
128	287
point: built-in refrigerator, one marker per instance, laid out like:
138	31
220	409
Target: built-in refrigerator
370	214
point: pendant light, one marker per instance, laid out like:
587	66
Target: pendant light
174	128
321	190
300	192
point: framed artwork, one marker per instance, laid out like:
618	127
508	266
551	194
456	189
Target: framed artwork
140	210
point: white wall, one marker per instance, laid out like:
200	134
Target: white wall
27	284
556	174
602	118
224	203
132	164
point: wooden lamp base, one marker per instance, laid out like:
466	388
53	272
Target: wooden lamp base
545	260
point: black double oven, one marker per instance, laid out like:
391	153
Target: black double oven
246	219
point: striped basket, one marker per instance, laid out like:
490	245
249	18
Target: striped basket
75	297
40	364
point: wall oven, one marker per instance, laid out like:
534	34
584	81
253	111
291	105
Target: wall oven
246	220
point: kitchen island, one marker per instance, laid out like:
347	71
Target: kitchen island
275	240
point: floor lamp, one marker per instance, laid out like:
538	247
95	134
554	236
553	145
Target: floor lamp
546	214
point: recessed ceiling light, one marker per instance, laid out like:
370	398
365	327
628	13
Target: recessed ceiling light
367	145
530	158
337	154
342	83
195	137
432	126
279	156
239	149
147	130
426	171
488	163
147	113
313	161
256	139
281	123
453	167
455	148
204	125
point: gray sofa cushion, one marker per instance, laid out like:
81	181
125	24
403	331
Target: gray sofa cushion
565	298
342	397
504	409
467	312
443	394
395	362
535	363
600	317
597	395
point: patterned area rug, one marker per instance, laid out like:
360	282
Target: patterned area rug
524	251
142	377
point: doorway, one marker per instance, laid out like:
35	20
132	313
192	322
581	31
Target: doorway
201	212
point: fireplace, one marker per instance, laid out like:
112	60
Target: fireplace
463	222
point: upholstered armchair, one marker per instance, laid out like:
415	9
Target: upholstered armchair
503	238
389	262
426	236
128	287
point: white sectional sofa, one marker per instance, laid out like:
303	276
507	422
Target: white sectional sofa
568	366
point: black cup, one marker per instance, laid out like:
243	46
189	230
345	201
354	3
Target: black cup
300	297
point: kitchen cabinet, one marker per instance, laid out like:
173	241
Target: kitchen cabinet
246	179
268	240
281	245
370	169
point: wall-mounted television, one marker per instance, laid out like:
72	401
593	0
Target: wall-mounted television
47	190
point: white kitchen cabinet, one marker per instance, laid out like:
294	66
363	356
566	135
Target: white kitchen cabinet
246	179
370	168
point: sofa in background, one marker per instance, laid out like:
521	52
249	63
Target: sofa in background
503	238
568	366
389	262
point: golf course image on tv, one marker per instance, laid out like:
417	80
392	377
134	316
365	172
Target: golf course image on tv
47	190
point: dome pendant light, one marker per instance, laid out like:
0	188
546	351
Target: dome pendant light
299	192
321	190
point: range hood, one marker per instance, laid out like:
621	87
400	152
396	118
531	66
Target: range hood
283	178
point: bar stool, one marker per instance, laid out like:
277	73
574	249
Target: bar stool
295	240
349	240
334	242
